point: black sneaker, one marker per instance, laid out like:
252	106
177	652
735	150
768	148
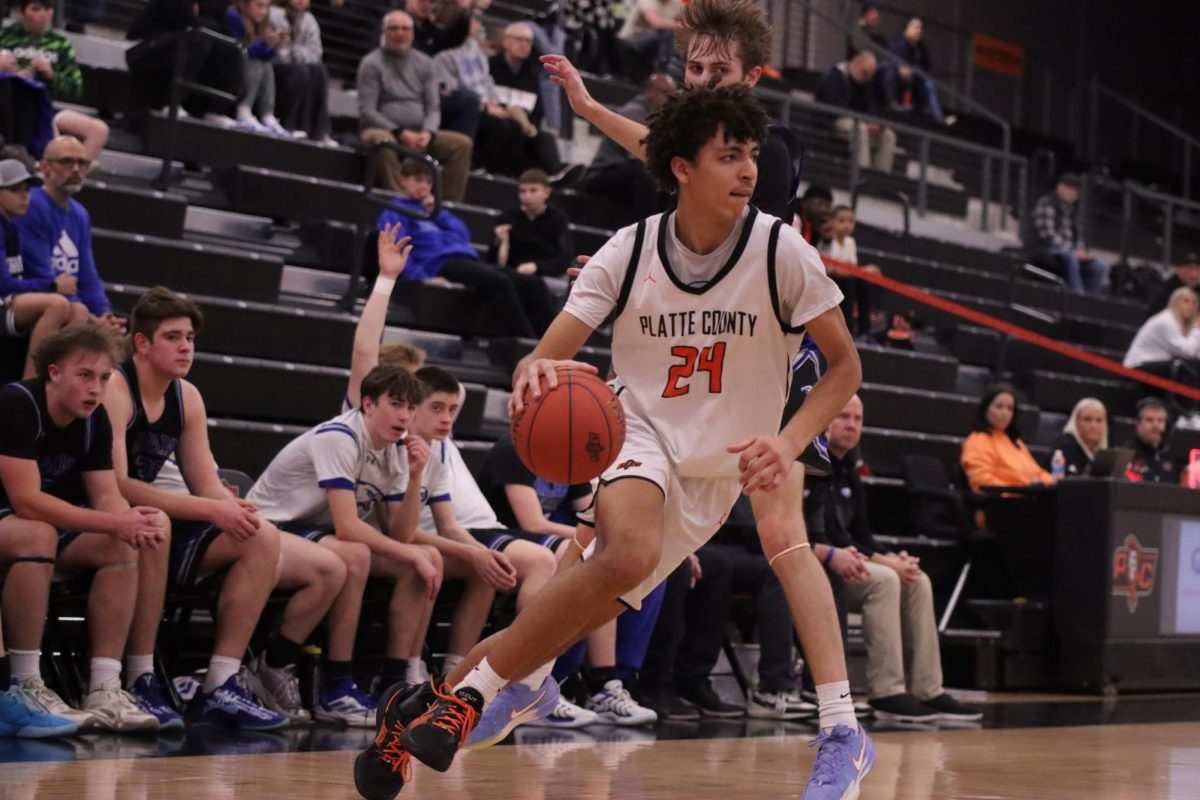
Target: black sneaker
381	770
669	707
950	710
434	737
902	708
702	696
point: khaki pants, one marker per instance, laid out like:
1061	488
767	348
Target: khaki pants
900	631
877	149
450	148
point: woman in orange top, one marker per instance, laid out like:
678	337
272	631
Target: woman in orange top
994	455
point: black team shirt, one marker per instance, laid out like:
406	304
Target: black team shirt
149	444
62	454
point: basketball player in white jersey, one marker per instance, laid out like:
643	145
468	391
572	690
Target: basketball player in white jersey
710	303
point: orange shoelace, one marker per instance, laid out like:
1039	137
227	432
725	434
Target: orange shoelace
453	714
396	756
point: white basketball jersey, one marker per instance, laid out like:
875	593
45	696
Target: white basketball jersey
708	366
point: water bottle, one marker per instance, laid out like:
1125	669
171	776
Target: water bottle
1058	465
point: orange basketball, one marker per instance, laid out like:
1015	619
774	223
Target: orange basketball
571	433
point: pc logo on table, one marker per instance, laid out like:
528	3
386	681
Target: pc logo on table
1133	571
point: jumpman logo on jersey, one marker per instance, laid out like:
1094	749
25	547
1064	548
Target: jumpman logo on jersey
649	277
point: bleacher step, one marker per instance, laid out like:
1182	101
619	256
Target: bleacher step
230	224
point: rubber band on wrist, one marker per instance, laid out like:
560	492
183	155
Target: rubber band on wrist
383	285
785	551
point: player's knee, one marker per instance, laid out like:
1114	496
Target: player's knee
435	556
264	545
79	313
777	532
355	562
57	308
39	540
542	563
886	582
626	570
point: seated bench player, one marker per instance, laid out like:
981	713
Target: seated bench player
56	475
161	412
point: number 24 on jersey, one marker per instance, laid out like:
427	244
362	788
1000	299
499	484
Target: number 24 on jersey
710	359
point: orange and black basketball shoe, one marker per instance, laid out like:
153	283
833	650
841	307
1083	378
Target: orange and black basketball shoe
434	737
381	770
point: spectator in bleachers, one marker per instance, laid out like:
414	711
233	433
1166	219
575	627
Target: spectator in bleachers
861	299
212	531
848	84
261	29
904	663
465	68
993	454
592	33
1084	435
159	31
57	473
43	54
303	98
816	206
399	101
1187	273
866	30
30	305
617	175
1168	345
1151	458
1058	241
517	74
649	34
534	238
348	485
442	251
56	233
442	25
905	90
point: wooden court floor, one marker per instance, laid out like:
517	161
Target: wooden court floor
1099	762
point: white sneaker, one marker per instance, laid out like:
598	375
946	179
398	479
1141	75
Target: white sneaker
221	120
253	125
779	705
566	715
34	694
273	125
615	706
277	689
116	710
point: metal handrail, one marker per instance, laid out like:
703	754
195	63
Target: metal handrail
972	104
179	86
1013	306
1188	140
1166	202
374	201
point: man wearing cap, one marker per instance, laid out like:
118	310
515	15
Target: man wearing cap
1057	241
29	304
56	234
1187	273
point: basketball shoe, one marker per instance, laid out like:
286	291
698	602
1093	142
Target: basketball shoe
566	715
345	702
16	719
150	695
844	757
116	710
615	706
277	688
435	737
34	694
232	705
515	705
381	770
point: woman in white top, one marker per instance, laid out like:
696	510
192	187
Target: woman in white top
1168	344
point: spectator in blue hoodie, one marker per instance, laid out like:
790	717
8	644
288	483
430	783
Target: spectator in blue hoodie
56	234
26	305
442	251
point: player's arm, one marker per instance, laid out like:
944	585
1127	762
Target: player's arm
104	496
393	256
622	130
402	513
527	510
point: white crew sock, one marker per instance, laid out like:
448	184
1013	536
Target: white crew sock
484	680
25	664
414	670
136	667
102	671
220	669
836	706
534	679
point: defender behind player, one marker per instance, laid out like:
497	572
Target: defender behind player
670	489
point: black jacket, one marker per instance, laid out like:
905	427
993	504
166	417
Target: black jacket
836	89
1078	462
835	508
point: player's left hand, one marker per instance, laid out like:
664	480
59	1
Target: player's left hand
393	252
418	455
764	462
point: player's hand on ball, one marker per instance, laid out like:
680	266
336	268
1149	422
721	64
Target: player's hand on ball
418	454
393	251
529	377
764	462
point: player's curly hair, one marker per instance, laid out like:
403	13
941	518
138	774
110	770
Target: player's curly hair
687	120
720	22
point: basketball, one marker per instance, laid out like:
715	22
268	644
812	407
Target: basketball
571	433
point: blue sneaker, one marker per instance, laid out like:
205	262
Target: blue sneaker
844	757
513	706
18	720
346	703
148	692
231	706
